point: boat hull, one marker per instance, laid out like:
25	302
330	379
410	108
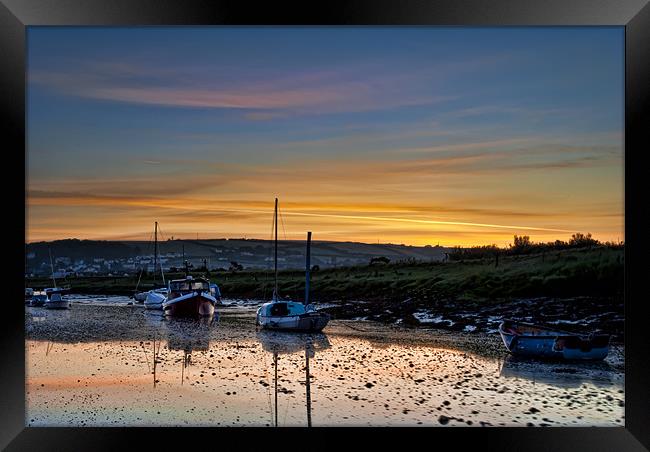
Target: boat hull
555	344
61	304
309	322
56	301
190	305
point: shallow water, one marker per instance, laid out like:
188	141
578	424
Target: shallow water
221	372
123	300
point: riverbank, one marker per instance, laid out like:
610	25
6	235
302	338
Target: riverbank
563	273
575	288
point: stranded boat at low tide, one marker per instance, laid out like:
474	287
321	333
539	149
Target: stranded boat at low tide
191	297
38	298
155	299
526	339
289	315
55	298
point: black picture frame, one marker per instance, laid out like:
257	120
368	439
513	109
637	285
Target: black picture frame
634	15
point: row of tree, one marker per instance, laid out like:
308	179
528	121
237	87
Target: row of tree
523	245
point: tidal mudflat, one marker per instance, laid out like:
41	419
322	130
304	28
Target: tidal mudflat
119	365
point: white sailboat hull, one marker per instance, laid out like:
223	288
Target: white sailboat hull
64	304
311	321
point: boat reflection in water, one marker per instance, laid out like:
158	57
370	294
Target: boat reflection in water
182	334
563	375
279	343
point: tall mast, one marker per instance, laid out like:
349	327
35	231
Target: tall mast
275	292
155	251
308	265
52	266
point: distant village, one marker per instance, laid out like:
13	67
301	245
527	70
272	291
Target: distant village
79	258
66	266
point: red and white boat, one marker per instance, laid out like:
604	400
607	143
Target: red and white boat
190	297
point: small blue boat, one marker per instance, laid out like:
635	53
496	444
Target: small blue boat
526	339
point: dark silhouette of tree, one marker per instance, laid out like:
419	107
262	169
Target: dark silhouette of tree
382	260
235	267
579	240
521	241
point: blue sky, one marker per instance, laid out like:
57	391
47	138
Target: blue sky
429	124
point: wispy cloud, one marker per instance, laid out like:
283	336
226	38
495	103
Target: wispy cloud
332	91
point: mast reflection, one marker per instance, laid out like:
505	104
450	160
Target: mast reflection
279	343
183	334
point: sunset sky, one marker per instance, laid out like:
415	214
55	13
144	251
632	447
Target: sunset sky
423	135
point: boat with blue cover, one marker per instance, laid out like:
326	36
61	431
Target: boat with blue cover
289	315
527	339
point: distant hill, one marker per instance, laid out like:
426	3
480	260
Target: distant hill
87	256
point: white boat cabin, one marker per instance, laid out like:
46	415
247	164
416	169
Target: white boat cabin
188	284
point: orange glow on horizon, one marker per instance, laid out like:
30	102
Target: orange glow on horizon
187	218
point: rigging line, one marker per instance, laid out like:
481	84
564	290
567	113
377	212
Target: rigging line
267	272
151	246
52	265
160	231
282	221
283	231
140	262
162	271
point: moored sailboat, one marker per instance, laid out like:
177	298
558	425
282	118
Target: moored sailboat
154	301
56	298
54	295
289	315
